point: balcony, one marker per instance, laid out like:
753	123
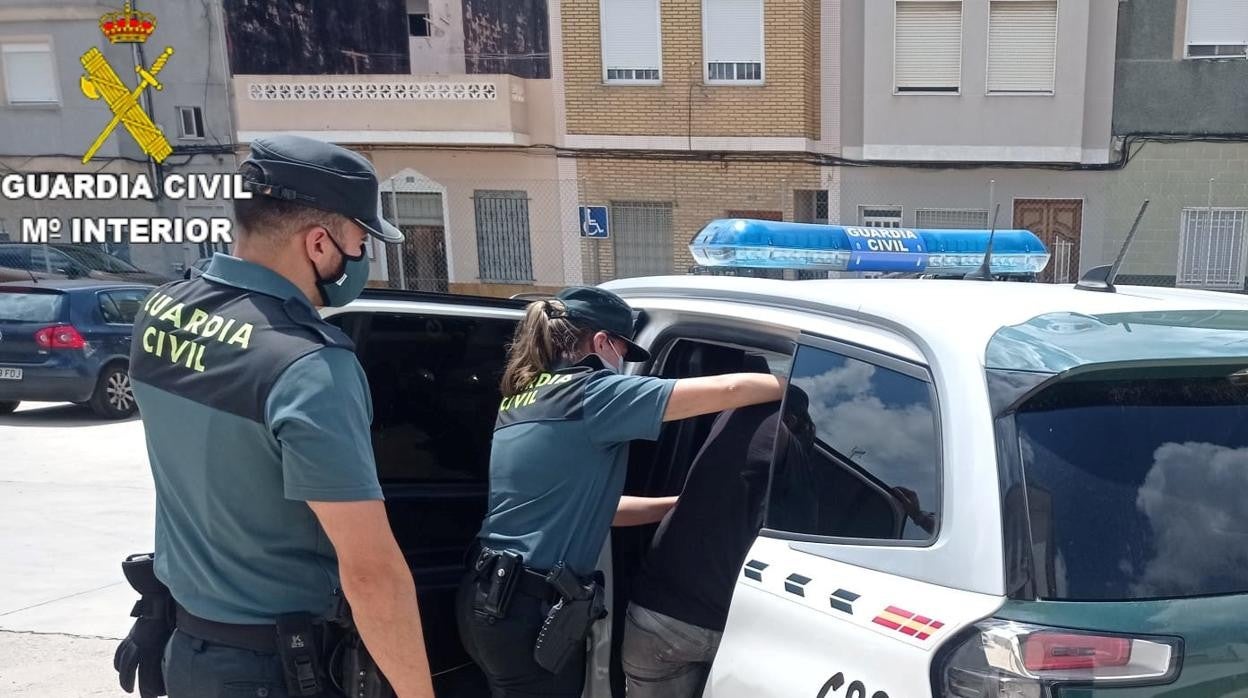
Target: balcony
395	109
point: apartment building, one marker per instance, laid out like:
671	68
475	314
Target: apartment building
682	111
1181	104
47	122
453	102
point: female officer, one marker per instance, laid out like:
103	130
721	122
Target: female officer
556	475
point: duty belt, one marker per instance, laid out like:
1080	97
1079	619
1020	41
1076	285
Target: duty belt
257	638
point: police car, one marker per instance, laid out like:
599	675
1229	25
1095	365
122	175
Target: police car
1012	489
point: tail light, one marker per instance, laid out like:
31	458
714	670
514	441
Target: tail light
59	337
1003	659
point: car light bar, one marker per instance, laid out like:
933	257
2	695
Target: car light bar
740	242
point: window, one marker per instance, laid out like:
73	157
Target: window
1217	29
732	41
503	248
810	206
121	307
630	41
29	73
418	18
951	218
880	216
863	457
435	386
1022	46
1135	484
928	46
643	238
190	123
1211	248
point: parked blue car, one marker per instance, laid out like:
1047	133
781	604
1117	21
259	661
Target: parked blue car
68	341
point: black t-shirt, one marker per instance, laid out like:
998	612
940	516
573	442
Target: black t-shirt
701	544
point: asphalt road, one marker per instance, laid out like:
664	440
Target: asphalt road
75	499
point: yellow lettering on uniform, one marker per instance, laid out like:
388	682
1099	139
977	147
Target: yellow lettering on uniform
214	324
148	347
199	359
530	397
161	302
160	343
506	405
544	379
194	352
225	330
174	315
242	337
197	318
177	349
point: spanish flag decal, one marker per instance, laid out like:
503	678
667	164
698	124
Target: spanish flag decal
903	621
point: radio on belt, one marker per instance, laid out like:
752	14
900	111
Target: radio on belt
739	242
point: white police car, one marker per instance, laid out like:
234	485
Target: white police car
1013	489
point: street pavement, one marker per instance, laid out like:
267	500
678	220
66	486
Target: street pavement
75	499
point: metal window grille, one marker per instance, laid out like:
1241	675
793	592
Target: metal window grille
880	216
642	233
1211	248
651	74
951	218
412	208
503	247
810	206
1063	255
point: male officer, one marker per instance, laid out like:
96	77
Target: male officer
257	416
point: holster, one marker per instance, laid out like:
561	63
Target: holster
581	603
361	678
141	654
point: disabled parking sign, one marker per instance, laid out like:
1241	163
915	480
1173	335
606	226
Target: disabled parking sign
593	221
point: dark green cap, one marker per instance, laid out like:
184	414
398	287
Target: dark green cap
601	310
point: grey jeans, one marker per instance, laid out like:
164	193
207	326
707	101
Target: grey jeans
664	657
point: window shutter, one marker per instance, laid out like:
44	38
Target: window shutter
733	31
928	46
28	73
1217	22
630	35
1022	46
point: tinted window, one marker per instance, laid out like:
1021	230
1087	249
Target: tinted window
862	458
1138	488
121	307
435	385
31	307
96	259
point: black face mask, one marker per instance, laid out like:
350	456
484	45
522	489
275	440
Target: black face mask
347	283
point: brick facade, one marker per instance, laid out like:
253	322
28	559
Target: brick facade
698	191
787	105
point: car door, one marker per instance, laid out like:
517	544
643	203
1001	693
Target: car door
118	308
832	599
433	368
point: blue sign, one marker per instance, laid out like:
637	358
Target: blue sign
594	222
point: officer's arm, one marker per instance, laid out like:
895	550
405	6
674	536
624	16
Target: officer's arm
697	396
639	511
378	585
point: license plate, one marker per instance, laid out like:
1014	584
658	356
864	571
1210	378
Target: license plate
13	374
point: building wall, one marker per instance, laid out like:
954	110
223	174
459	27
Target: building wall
787	105
699	191
1158	91
974	125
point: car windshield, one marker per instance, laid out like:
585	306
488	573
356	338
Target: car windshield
30	307
1137	486
95	259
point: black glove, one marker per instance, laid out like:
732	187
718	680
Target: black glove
142	653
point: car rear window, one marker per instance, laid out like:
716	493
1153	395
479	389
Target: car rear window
31	307
1137	488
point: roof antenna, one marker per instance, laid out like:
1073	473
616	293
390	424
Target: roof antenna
1102	278
984	273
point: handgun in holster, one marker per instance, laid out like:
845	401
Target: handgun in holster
581	603
497	572
361	677
140	656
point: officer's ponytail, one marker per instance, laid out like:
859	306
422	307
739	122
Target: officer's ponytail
544	338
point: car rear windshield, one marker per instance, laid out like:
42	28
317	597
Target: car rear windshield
30	307
1137	487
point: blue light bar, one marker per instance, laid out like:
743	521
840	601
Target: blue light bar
740	242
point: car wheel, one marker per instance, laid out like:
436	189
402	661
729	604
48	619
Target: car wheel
114	398
7	407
